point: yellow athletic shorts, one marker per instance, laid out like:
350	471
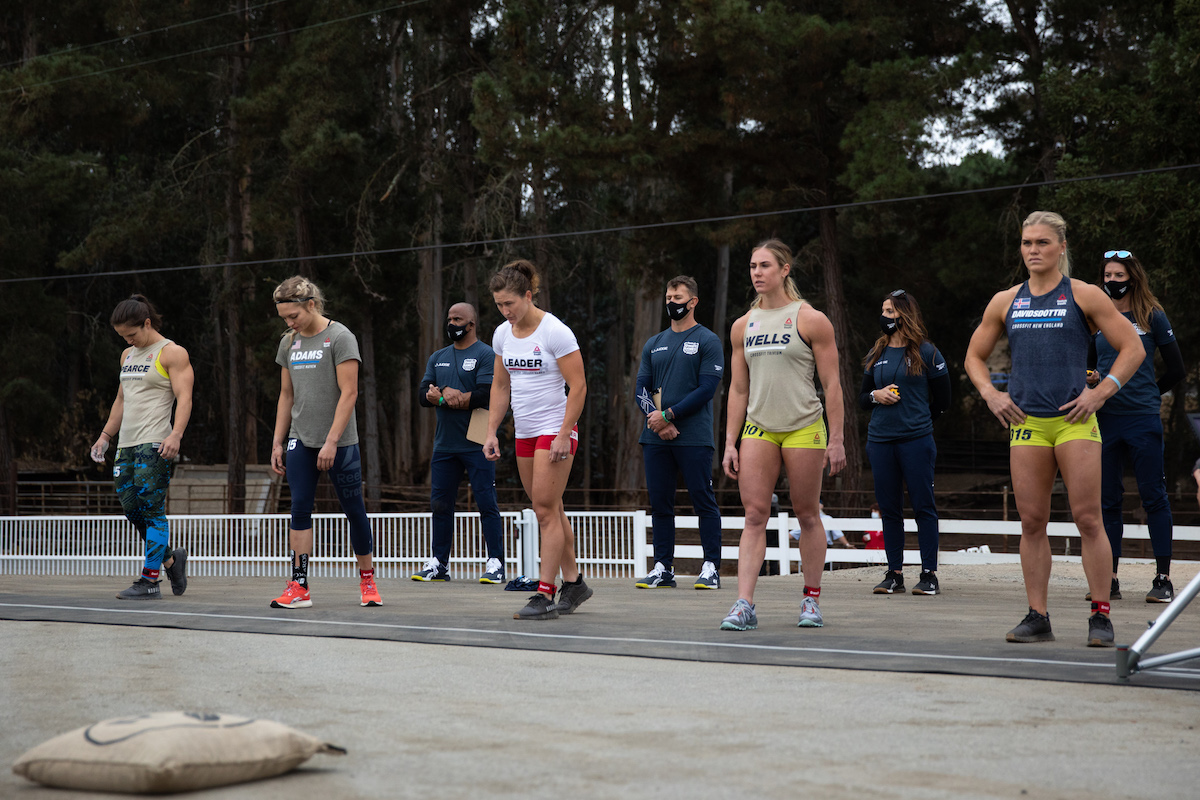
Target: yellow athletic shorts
1051	431
810	437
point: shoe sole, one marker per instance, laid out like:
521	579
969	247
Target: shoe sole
655	585
297	604
583	599
929	592
1150	599
551	614
1100	643
706	586
430	580
877	590
178	588
808	623
371	603
489	580
1041	637
140	597
730	626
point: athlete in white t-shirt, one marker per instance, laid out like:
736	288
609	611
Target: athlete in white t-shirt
539	371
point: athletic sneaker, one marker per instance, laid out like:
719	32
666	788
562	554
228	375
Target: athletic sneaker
810	614
142	589
1100	631
432	571
927	585
177	572
572	595
294	596
538	607
1162	591
370	595
1034	628
659	578
709	579
740	618
892	582
1113	594
493	571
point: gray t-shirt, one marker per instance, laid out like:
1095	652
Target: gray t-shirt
311	363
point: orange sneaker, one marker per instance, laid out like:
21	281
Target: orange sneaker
295	596
370	595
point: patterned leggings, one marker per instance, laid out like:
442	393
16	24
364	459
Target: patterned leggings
141	477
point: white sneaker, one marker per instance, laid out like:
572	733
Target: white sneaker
493	572
709	578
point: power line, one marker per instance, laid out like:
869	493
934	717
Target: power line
122	67
140	34
617	229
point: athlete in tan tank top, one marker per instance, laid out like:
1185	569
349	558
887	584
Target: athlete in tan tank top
791	347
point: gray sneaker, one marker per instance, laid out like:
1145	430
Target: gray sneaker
177	572
1034	628
572	595
709	577
1100	631
740	618
142	589
1161	591
538	607
810	614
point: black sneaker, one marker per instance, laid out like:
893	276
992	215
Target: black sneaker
927	585
433	570
892	582
1162	591
572	595
538	607
142	589
1034	628
1113	594
1100	631
177	572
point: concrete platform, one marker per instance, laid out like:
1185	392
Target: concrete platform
442	692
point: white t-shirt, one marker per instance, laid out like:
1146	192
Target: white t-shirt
538	394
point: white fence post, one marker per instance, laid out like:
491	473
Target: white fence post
530	543
781	523
642	552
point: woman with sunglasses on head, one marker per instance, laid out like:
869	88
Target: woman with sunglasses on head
1050	411
315	421
779	348
1130	421
906	386
539	370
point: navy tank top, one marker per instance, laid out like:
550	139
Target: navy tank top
1048	338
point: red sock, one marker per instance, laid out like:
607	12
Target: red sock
366	573
1101	607
149	574
811	592
546	589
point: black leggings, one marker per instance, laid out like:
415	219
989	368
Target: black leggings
346	475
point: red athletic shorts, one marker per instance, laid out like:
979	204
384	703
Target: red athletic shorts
527	447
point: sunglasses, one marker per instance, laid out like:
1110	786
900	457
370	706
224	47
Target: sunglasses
1118	254
898	293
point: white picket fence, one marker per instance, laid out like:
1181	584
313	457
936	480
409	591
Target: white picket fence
609	544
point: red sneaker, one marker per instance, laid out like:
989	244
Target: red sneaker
295	596
370	595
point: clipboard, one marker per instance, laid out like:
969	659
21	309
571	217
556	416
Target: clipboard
477	429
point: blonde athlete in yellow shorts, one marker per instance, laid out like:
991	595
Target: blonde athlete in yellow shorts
779	347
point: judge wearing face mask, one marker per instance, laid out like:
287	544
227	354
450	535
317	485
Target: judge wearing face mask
906	386
1130	422
457	380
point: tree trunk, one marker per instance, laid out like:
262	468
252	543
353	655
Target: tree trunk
370	413
8	469
720	301
402	431
836	301
627	418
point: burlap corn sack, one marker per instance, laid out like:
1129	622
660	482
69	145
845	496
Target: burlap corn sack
168	751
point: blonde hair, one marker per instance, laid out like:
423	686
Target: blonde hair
783	254
1059	225
299	289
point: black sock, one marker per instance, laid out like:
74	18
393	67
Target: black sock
300	569
575	582
1164	564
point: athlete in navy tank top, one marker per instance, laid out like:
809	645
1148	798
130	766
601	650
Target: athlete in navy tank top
1050	413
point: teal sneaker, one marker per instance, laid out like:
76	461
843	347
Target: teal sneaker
741	617
810	614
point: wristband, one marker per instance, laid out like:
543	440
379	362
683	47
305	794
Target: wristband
106	433
663	414
1114	380
441	401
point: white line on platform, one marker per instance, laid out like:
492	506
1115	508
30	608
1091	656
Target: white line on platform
1183	672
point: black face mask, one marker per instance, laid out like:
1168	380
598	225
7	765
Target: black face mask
888	325
456	332
1116	289
677	311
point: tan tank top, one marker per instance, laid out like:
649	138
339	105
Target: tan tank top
783	394
148	396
